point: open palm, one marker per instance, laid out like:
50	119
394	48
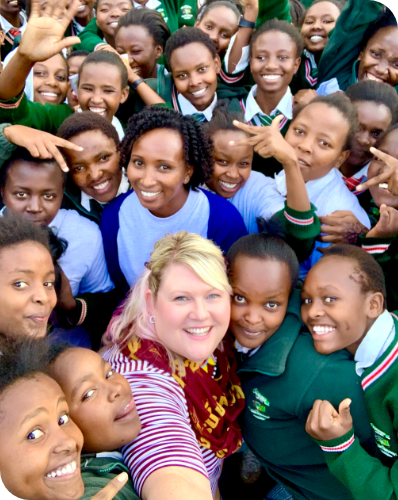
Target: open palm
43	37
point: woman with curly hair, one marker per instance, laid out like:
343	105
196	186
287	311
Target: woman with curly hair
166	156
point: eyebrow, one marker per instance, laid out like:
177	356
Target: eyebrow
39	410
84	379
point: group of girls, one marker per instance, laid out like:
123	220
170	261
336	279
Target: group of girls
198	247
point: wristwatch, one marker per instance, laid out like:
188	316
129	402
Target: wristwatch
244	23
135	84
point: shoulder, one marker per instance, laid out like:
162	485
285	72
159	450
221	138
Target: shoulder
71	220
112	208
219	207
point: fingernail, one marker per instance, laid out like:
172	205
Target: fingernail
231	143
80	149
122	477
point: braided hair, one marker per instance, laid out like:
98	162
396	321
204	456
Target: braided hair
198	147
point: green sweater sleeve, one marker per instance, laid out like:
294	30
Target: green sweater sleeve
301	229
343	47
21	111
273	8
90	37
365	476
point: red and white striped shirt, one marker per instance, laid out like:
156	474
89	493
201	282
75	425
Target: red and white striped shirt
167	438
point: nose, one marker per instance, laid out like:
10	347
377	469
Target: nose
382	67
195	80
34	205
147	179
96	98
199	311
306	145
315	310
40	294
252	316
51	81
115	389
271	63
233	172
213	35
64	443
363	138
95	173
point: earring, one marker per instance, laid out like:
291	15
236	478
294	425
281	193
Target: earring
152	319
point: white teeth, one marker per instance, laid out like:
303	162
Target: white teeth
136	70
227	185
49	94
271	77
198	331
100	111
14	2
303	163
113	25
372	77
68	469
316	38
200	92
103	185
383	185
149	195
81	8
322	330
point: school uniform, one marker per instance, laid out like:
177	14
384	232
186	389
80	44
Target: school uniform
166	8
365	476
11	34
129	230
187	12
281	381
90	37
307	74
358	178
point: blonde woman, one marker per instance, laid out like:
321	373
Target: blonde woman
167	341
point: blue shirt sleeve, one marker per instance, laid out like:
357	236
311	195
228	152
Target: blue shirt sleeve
225	222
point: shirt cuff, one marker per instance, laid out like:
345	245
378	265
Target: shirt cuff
375	245
338	445
243	61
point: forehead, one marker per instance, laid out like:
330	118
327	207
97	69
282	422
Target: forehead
56	62
221	140
133	34
75	62
160	143
113	3
102	73
332	271
323	119
274	41
74	364
93	142
31	253
35	175
323	9
221	15
373	114
189	56
180	277
386	38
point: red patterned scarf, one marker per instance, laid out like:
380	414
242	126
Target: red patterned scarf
213	403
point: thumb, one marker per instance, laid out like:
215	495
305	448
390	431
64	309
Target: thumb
344	410
384	215
277	121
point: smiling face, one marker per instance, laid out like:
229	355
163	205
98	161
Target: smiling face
138	44
191	316
157	172
374	119
108	13
8	7
379	59
273	62
34	191
99	399
220	24
100	89
335	310
380	193
40	455
84	11
27	289
50	80
319	21
194	72
261	290
95	170
232	165
318	136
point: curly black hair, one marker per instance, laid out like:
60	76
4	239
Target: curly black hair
211	4
377	92
284	27
151	20
223	119
198	147
186	36
15	230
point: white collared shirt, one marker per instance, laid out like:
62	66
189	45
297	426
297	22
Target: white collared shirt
6	26
246	350
285	105
188	108
151	4
123	188
375	343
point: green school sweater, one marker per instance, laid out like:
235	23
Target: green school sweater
90	37
98	471
365	476
281	381
307	74
187	12
342	50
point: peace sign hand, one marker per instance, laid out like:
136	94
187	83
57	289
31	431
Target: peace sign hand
390	176
43	37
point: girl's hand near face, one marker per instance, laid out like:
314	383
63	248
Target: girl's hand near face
387	225
325	423
304	96
390	176
39	144
341	227
112	488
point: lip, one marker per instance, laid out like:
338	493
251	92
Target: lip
199	93
39	319
319	334
127	410
271	77
317	38
49	95
229	189
99	110
250	333
96	186
303	164
113	24
66	477
149	195
199	336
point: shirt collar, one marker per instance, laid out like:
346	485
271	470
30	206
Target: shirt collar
375	343
245	350
6	26
285	105
123	188
188	108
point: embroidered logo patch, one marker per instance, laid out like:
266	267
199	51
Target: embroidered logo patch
383	442
258	405
186	11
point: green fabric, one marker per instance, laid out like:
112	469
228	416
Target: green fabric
281	381
366	476
21	111
187	12
273	8
342	49
168	10
90	37
301	79
96	474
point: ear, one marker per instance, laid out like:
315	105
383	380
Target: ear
374	305
188	174
150	303
342	158
196	23
360	55
217	62
158	51
125	94
297	64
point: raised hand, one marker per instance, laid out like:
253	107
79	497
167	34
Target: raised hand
390	176
387	225
43	37
325	423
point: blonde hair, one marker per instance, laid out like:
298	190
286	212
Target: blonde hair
131	320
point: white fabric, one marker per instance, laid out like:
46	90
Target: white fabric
151	4
123	188
116	123
6	26
244	58
358	175
375	343
84	260
285	105
245	350
329	87
188	108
